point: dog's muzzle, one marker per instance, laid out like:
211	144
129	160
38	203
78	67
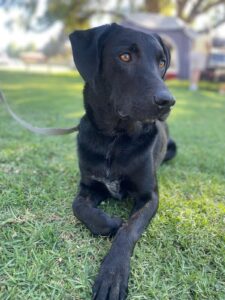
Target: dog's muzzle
163	99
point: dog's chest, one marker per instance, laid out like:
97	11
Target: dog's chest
112	161
113	186
109	177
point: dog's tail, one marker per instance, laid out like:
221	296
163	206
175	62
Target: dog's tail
171	150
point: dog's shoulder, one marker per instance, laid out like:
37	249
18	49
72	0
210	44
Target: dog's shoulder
90	140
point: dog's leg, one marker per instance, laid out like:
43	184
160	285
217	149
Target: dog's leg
171	150
97	221
112	280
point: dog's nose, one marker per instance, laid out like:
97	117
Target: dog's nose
164	99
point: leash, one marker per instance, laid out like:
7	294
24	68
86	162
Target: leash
45	131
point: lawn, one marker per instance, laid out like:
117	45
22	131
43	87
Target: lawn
45	253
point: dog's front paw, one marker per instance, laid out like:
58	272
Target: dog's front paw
112	280
106	226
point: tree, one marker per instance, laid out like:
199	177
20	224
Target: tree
37	18
13	50
77	13
152	6
161	6
188	10
198	8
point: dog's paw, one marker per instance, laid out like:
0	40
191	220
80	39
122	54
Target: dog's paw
112	280
109	227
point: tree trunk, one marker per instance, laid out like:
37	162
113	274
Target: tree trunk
152	6
180	5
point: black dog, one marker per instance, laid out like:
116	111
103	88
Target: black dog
122	139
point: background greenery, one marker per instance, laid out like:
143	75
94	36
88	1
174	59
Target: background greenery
45	253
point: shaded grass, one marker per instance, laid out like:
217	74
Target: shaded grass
45	253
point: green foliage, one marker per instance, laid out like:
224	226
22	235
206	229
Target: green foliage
13	50
45	253
159	6
70	12
77	13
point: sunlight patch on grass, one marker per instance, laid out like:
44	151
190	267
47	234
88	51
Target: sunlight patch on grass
77	114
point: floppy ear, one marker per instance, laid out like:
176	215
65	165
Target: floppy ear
87	50
166	52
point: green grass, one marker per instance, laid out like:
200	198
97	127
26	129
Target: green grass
45	253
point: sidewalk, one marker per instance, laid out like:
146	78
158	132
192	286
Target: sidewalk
36	68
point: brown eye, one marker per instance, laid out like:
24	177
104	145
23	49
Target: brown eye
162	63
126	57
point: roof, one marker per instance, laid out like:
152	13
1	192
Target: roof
157	22
153	21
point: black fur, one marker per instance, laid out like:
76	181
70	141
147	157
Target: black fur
122	139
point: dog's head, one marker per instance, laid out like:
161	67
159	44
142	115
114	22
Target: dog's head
131	64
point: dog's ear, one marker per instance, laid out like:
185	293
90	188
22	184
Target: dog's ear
166	52
87	50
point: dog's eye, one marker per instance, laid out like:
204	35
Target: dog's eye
126	57
162	63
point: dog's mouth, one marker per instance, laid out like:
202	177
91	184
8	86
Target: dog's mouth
162	115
